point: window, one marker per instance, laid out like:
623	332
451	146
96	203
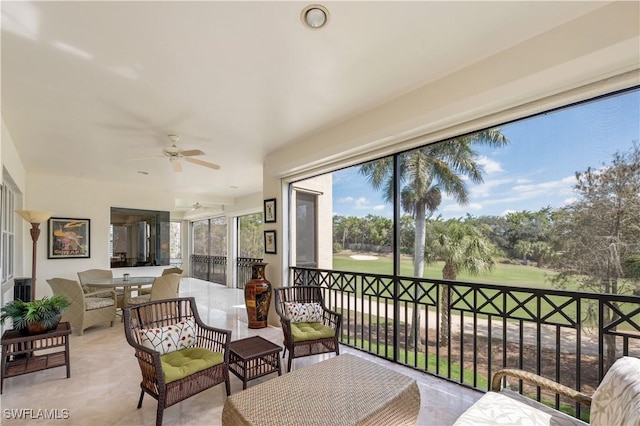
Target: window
250	236
504	205
7	246
306	229
175	242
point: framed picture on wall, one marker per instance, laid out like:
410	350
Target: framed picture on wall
68	238
270	210
270	242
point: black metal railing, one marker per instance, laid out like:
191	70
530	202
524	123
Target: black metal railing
214	268
464	332
209	268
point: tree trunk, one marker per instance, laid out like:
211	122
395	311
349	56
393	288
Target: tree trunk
418	271
449	272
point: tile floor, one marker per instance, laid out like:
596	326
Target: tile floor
104	385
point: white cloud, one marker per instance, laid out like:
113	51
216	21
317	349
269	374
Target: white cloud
457	208
489	165
379	207
345	200
362	203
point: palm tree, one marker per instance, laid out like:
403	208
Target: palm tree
463	248
426	173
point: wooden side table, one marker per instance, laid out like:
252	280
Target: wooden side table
253	357
24	354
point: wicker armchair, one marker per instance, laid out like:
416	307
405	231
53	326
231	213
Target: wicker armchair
173	270
167	271
87	276
153	328
164	287
309	328
87	309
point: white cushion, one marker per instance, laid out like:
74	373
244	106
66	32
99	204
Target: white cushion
136	300
494	408
617	399
97	302
303	312
170	338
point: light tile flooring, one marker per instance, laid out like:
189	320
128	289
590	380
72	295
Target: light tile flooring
105	378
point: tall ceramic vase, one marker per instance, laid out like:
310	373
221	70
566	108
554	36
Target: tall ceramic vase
257	296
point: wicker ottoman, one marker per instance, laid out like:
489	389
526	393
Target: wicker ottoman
344	390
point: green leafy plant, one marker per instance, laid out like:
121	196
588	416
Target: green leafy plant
46	311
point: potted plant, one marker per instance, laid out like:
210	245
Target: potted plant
35	317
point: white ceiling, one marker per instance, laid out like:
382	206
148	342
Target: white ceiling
87	86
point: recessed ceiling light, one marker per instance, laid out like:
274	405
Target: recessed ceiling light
315	16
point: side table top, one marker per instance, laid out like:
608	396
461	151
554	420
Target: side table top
8	336
252	347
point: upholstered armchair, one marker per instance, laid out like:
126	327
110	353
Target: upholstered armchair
87	276
166	271
309	327
164	287
87	309
179	356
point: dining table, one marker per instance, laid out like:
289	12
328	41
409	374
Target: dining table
127	284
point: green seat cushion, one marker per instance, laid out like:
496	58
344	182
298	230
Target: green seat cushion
180	364
303	331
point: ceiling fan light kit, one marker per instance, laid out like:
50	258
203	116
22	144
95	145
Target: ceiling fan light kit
175	154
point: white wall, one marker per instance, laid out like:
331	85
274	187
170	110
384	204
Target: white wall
87	199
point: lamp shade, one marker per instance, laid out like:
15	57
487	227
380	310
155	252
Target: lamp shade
33	216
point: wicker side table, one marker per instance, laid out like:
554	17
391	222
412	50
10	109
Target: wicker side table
21	353
253	357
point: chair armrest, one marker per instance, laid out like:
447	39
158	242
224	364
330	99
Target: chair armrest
150	366
534	379
332	319
214	339
111	293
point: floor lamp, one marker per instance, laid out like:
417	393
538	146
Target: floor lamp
35	218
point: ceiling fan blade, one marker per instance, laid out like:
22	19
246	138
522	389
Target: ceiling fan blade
191	153
202	163
176	166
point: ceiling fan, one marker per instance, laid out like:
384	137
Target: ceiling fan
175	154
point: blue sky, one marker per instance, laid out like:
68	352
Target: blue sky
537	168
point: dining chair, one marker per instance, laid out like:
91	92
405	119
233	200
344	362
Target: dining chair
89	275
173	270
164	287
167	271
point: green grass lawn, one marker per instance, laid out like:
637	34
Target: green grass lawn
502	274
514	275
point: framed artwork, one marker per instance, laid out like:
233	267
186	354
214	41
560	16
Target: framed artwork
270	242
68	238
270	210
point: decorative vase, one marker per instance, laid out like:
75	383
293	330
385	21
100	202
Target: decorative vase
257	296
